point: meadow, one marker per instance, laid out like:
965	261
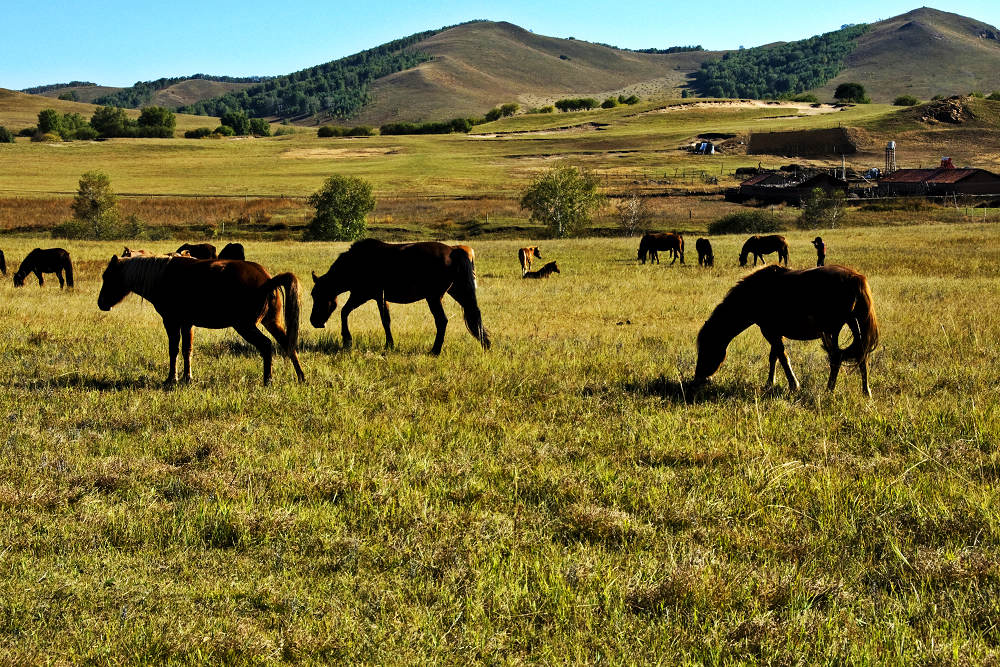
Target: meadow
564	497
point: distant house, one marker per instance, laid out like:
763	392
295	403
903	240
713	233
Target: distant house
790	188
943	181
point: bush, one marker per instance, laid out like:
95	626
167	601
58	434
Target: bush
260	127
28	132
852	92
157	117
746	222
563	199
994	96
906	101
283	131
630	100
49	121
111	122
224	130
356	131
492	115
807	98
446	127
977	94
237	120
577	104
545	109
47	137
104	230
509	109
6	136
198	133
341	206
609	103
85	133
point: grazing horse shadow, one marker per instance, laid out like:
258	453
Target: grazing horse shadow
85	381
688	392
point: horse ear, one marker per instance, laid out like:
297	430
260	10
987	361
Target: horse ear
314	276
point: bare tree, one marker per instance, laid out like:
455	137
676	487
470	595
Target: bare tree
633	212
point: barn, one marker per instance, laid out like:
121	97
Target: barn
943	181
776	187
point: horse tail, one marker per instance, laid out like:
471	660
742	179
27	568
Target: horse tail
3	263
69	271
864	314
643	250
463	289
290	284
681	239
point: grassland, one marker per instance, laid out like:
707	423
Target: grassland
556	499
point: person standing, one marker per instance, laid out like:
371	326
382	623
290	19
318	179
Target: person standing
820	250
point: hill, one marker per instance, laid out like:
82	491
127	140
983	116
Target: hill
923	53
171	93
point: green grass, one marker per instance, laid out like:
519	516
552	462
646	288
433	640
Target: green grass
553	500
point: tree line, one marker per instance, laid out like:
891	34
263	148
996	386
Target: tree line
38	90
778	71
142	91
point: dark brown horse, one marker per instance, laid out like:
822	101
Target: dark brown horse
524	255
233	251
214	294
543	272
801	305
51	260
705	255
199	250
3	263
400	273
653	242
764	245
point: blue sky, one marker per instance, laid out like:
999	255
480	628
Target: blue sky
118	43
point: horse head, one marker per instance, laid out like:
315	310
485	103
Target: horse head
711	354
538	253
555	267
643	249
324	299
19	279
113	287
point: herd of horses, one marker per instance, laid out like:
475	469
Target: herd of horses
195	286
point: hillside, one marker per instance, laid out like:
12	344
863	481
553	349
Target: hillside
923	53
180	92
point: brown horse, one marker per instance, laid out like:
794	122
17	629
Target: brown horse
135	252
524	255
543	272
50	260
198	250
764	245
214	294
3	263
653	242
801	305
233	251
705	255
400	273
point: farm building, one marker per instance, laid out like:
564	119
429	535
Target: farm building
945	180
790	188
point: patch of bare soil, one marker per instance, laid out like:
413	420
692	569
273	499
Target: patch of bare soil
803	108
326	153
583	127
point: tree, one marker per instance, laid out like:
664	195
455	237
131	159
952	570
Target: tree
49	120
6	136
238	120
822	209
95	204
563	199
260	127
852	92
509	109
633	212
341	206
111	122
157	117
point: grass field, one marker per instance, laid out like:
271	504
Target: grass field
561	498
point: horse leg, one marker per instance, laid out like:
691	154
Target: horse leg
173	345
345	333
778	352
186	336
272	324
852	323
440	320
253	335
60	277
674	253
772	360
383	310
836	356
41	282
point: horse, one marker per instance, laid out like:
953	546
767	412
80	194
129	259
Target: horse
199	250
801	305
135	252
653	242
524	255
233	251
705	255
400	273
50	260
764	245
3	263
543	272
189	292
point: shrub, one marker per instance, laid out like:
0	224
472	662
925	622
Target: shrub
852	92
906	101
260	127
157	117
509	109
563	199
807	98
577	103
446	127
198	133
85	133
95	214
111	122
356	131
28	132
492	115
6	136
224	130
283	131
994	96
609	103
49	121
630	100
326	131
47	137
341	206
237	120
545	109
746	222
977	94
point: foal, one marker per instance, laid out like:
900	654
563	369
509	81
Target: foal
543	272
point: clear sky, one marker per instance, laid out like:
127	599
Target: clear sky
118	43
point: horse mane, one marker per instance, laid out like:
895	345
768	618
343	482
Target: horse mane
755	280
143	274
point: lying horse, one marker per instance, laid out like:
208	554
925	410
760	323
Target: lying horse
189	292
802	305
543	272
3	263
705	255
135	252
51	260
524	255
198	250
233	251
653	242
764	245
400	273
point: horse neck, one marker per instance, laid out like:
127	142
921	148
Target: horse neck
729	319
143	275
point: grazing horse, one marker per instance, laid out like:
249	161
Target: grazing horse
400	273
705	255
764	245
802	305
3	263
543	272
214	294
653	242
198	250
51	260
525	255
233	251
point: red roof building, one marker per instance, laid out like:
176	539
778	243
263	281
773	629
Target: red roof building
942	181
